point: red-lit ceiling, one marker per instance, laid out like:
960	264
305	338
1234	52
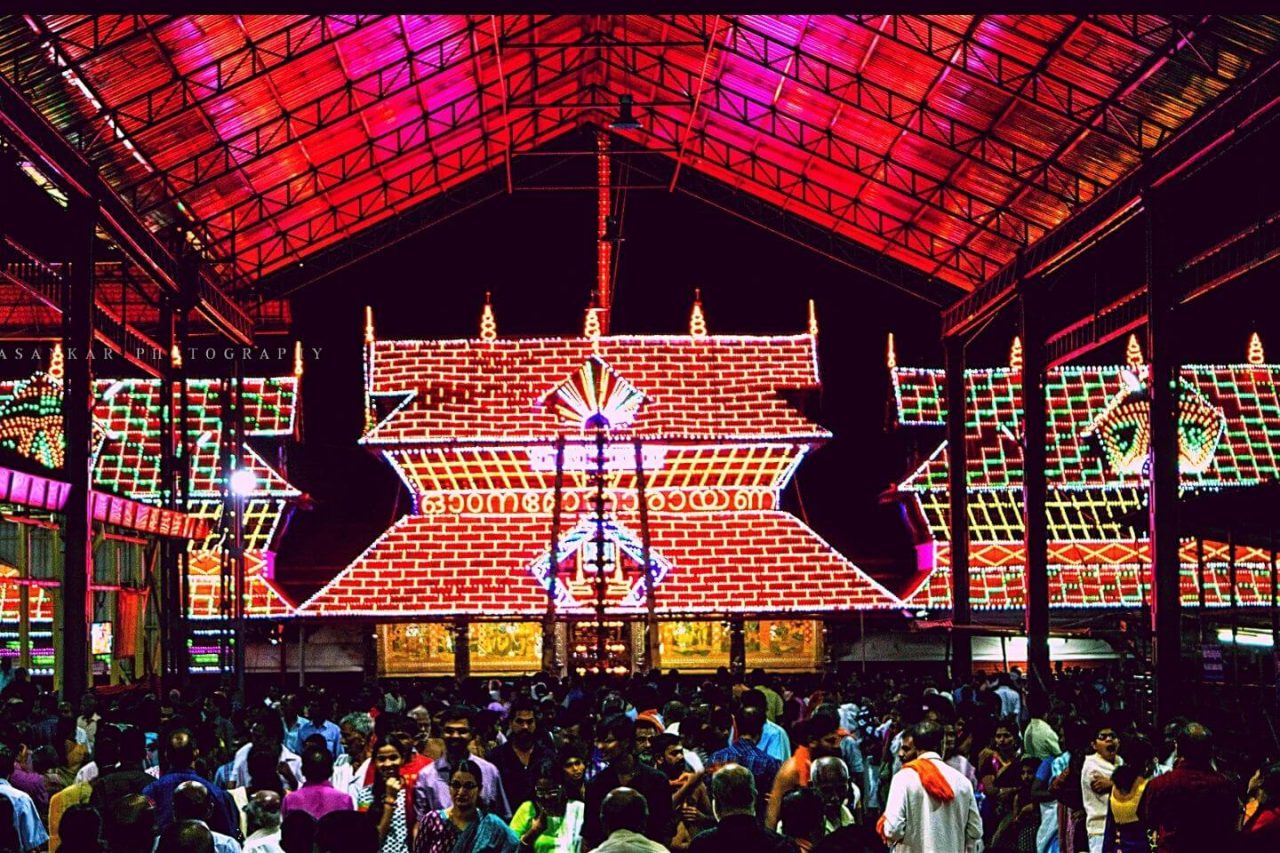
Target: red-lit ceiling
945	142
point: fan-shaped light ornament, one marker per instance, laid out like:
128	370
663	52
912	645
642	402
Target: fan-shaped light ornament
1123	428
596	397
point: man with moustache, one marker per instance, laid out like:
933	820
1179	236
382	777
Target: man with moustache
524	752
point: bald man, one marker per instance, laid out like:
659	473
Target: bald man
733	799
193	802
186	836
623	815
180	753
263	813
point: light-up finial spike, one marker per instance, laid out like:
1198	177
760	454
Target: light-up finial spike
55	362
591	326
297	359
488	323
697	321
1133	352
1015	354
813	319
891	357
1256	354
368	324
175	357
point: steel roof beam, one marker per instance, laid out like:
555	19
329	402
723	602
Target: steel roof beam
846	153
315	116
40	141
93	35
1129	26
227	226
838	150
1144	69
45	283
990	152
1238	114
1032	83
452	165
216	78
811	194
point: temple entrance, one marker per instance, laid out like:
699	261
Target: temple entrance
585	646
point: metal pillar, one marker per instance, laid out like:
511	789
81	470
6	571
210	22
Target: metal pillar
602	651
183	463
604	245
172	606
958	461
550	662
77	409
737	646
650	593
237	531
1034	491
1166	605
461	649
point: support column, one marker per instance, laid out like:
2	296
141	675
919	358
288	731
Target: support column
24	596
170	584
958	461
1162	499
1035	522
737	646
77	411
461	649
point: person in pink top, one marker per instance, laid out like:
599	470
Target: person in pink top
317	797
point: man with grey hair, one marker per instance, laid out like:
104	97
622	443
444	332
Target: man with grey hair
733	800
624	814
263	815
350	768
829	776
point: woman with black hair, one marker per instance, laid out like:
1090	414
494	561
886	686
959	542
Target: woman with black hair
463	827
552	821
386	799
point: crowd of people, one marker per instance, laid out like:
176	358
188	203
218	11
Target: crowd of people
756	762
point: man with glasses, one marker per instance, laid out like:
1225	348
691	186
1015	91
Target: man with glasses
431	791
1095	784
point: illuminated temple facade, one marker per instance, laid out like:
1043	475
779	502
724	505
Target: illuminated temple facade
1229	438
127	501
480	431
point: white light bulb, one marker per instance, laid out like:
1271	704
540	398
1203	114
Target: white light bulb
243	482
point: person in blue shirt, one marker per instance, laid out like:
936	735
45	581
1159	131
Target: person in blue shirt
318	711
180	753
26	820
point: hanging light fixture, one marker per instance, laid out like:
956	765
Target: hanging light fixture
626	119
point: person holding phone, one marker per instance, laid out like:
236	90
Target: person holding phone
551	822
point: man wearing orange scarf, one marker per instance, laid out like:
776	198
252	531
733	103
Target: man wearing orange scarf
930	806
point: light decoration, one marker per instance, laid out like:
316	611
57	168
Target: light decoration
175	357
474	437
813	320
488	323
591	323
56	363
297	359
1015	354
890	357
1256	356
1096	453
1133	353
697	321
31	420
595	396
368	325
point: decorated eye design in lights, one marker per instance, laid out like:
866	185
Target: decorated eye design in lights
1123	429
596	397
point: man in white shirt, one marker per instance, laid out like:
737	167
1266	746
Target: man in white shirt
350	768
930	806
1095	784
267	727
624	814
